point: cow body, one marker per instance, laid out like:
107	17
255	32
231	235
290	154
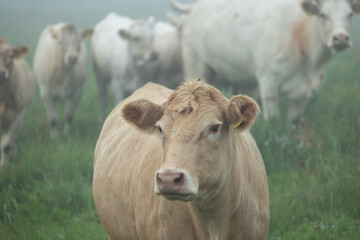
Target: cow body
183	146
268	47
16	93
129	53
167	45
60	66
124	61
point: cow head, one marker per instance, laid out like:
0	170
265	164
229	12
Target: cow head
334	20
197	127
7	56
140	41
70	40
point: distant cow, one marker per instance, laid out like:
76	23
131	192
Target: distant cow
60	67
271	47
16	93
190	145
123	55
129	53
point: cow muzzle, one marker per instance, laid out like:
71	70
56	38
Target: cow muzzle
341	42
175	184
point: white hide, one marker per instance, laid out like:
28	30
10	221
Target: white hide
274	45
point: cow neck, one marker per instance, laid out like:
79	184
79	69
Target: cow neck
212	218
318	53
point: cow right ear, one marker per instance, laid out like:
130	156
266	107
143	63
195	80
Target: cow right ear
310	7
124	34
142	113
241	112
356	7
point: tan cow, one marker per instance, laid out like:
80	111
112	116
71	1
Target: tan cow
16	93
191	145
60	67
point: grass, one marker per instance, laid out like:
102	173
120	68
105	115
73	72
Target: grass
313	173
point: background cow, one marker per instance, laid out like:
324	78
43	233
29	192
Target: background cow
268	47
60	67
190	145
129	53
16	93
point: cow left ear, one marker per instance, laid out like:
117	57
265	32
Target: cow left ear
19	52
124	34
87	33
241	112
310	7
142	113
356	7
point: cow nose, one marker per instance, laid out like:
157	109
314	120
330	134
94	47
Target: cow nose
72	59
151	56
169	181
341	41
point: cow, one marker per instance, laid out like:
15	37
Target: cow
270	48
60	67
181	165
129	53
17	88
123	55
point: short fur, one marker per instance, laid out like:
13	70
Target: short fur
232	200
16	93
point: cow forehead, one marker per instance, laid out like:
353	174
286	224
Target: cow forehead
70	34
335	6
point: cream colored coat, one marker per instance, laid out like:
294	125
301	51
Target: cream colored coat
232	200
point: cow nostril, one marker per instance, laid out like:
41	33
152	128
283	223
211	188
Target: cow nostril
179	179
158	179
335	39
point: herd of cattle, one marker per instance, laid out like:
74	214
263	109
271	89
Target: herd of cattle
194	140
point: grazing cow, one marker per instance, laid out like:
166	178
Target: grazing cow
268	47
16	92
191	145
60	67
123	55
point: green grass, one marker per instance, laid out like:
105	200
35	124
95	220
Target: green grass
313	173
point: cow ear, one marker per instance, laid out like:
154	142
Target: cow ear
143	113
310	7
87	33
241	112
356	7
124	34
54	33
19	51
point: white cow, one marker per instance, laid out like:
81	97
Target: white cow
60	67
277	47
127	61
128	53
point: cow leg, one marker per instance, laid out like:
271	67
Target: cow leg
296	109
102	97
71	104
193	67
52	114
8	139
269	93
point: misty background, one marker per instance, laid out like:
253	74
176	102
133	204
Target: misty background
21	21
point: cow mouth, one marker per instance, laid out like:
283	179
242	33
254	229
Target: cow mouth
340	47
185	197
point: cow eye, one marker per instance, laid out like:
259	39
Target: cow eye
350	15
214	129
323	16
160	130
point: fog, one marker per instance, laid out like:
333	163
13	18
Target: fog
21	21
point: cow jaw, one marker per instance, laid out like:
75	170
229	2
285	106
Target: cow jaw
175	184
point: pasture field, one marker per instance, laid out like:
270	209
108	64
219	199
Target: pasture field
313	171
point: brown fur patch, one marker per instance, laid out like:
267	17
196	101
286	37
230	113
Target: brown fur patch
142	113
299	37
242	106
